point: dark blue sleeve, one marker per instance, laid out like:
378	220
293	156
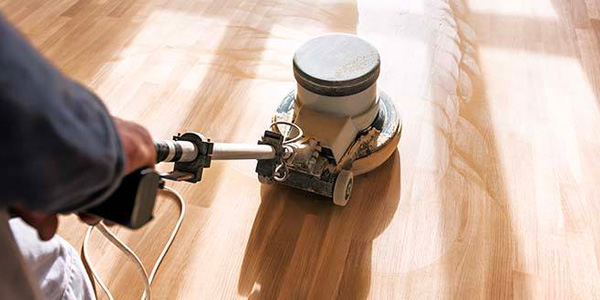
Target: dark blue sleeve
59	148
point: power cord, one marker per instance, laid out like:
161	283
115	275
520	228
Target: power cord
147	279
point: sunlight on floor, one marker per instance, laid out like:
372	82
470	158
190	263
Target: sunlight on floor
551	86
419	70
529	8
392	6
407	68
541	108
168	53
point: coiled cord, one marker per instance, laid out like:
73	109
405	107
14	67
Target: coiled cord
147	279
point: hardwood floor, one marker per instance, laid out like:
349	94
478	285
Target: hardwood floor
494	191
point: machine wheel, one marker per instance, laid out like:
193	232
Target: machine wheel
342	190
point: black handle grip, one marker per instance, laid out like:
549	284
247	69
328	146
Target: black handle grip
132	204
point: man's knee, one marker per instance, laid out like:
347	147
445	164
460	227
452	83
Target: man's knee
55	264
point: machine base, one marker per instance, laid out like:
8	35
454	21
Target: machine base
313	169
364	159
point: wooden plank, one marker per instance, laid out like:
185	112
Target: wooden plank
492	194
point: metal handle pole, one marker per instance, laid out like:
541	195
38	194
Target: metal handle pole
175	151
184	151
227	151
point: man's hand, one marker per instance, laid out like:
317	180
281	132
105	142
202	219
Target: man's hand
137	144
138	150
45	224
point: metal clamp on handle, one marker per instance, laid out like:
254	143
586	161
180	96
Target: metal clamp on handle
189	151
192	154
268	168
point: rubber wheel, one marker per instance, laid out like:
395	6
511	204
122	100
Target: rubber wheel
342	190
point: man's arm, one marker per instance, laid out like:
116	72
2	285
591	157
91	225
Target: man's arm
60	150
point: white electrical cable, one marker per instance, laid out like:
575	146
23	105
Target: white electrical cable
290	126
173	233
130	254
91	271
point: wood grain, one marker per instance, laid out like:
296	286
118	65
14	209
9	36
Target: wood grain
492	194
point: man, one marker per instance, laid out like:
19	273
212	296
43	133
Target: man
60	152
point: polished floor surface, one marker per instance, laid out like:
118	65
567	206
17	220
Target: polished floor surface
494	191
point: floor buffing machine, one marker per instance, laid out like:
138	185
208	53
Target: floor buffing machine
337	124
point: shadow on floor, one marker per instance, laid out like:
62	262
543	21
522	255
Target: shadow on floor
301	246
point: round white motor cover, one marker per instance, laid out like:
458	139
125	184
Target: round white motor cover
337	74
